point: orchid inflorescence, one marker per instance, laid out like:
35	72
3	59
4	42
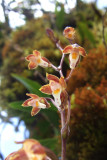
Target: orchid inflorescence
56	87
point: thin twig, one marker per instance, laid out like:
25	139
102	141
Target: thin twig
54	67
62	59
61	64
59	46
51	100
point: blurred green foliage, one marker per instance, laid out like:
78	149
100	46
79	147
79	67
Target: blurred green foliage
60	15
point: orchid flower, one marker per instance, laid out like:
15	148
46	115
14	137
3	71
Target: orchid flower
56	87
36	60
31	150
36	102
69	32
74	52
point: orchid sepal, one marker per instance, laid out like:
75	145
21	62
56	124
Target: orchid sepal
36	102
31	149
36	60
74	51
56	86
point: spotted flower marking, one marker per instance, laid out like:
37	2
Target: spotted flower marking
36	102
36	60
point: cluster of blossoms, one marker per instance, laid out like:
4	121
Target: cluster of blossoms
56	88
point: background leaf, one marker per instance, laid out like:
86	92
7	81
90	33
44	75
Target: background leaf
18	105
33	87
85	32
50	143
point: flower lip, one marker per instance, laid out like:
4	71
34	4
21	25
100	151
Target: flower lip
74	51
55	87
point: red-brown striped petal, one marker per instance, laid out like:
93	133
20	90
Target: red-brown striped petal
33	146
27	141
34	96
46	60
34	111
31	150
36	53
10	155
52	77
62	82
19	155
29	57
25	104
82	51
68	49
43	100
32	65
46	89
38	149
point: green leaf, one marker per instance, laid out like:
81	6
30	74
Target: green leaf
60	15
18	105
31	85
85	32
50	143
50	115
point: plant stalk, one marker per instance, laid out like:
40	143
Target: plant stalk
63	136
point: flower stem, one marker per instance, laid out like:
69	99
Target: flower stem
61	63
63	155
54	67
63	136
69	76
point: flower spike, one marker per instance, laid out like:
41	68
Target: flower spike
36	102
36	60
